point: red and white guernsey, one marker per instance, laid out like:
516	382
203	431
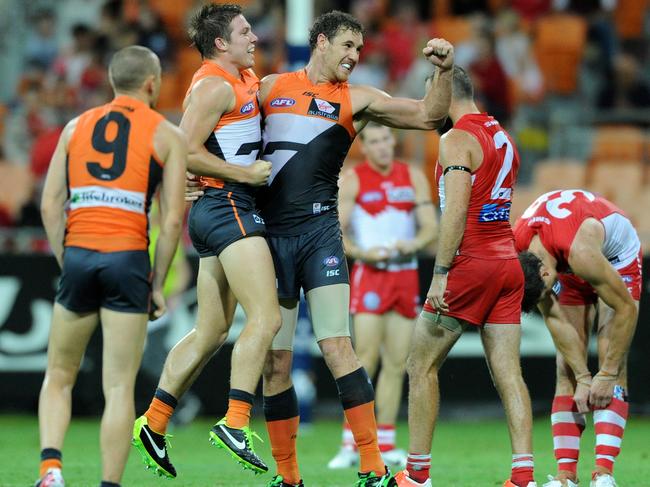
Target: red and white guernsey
488	234
384	210
556	217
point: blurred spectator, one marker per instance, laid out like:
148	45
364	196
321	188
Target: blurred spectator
626	88
531	10
400	44
152	34
490	81
371	69
514	51
75	59
41	45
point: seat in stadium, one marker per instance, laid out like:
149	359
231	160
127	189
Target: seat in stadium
453	29
621	143
629	17
559	174
559	44
617	180
16	186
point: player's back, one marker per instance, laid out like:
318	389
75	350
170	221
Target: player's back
488	233
557	215
113	172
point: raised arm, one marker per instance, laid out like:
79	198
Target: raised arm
206	104
55	194
425	215
588	262
405	113
456	160
171	147
568	343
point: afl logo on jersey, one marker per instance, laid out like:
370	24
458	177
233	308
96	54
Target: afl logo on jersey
331	261
249	107
283	102
371	196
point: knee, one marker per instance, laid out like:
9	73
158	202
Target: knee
265	323
277	364
417	368
336	349
393	367
60	376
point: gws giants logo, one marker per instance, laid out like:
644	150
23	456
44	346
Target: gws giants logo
283	102
249	107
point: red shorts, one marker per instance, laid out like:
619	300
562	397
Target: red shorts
483	291
575	291
378	291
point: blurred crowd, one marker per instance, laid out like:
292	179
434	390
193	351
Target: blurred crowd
539	66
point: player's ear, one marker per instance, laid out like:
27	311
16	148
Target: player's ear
322	41
221	44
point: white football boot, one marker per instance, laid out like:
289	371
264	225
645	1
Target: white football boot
603	480
553	482
345	458
395	457
403	480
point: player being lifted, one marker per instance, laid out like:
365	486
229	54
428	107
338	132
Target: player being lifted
310	120
591	248
107	164
222	123
386	216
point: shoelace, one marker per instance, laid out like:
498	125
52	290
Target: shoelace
249	433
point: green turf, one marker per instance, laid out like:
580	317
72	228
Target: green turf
465	454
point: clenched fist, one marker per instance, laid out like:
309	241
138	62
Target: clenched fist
440	53
259	172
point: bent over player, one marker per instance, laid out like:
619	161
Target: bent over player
591	248
222	123
386	216
108	164
477	281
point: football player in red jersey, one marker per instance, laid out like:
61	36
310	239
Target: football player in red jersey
477	281
592	249
386	216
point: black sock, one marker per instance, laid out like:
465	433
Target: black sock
355	389
51	454
108	484
240	395
165	397
281	406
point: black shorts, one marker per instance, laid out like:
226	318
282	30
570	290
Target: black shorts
219	218
119	281
308	261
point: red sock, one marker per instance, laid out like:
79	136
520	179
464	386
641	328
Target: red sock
609	425
418	466
568	426
522	469
386	437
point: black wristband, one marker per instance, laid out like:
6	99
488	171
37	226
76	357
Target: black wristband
440	269
456	168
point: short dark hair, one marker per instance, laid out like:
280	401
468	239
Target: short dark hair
131	66
210	22
533	282
462	88
330	23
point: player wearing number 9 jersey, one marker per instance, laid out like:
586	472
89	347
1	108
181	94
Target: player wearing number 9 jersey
591	248
477	281
107	165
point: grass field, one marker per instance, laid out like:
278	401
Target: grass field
465	454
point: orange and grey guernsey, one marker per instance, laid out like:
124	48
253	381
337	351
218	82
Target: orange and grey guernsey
237	137
112	172
307	133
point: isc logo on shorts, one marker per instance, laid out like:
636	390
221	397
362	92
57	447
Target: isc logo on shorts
333	272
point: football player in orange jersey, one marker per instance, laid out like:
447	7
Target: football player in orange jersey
108	163
310	119
222	122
